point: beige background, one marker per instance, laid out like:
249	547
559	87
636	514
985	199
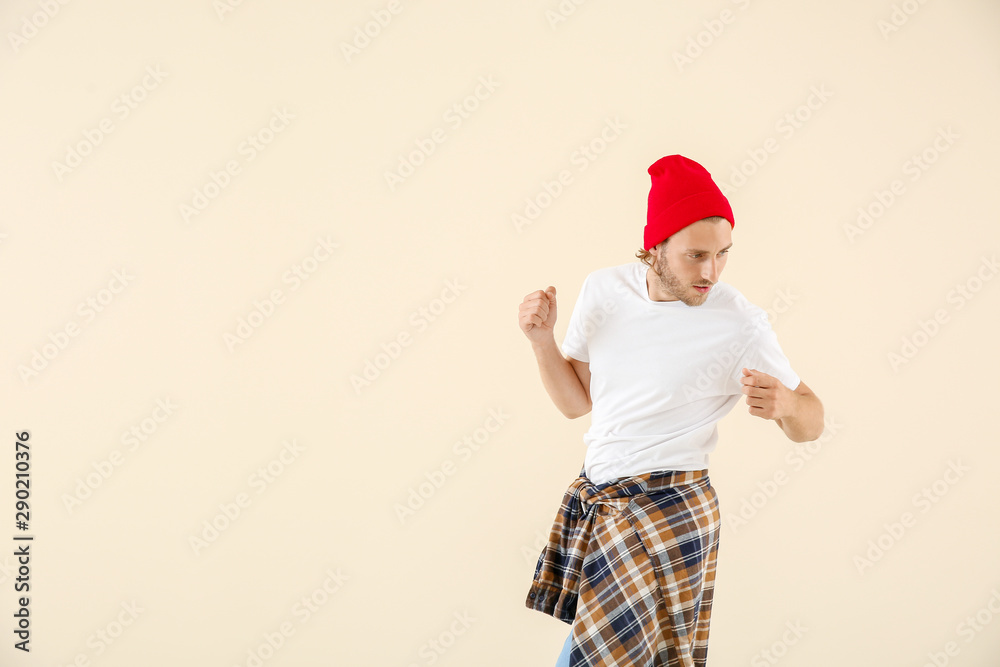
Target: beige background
400	587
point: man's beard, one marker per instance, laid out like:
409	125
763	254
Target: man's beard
672	284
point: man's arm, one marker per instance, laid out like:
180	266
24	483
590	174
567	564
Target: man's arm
804	423
567	381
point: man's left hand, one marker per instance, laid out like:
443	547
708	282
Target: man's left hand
766	396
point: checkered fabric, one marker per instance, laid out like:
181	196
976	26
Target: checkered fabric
630	564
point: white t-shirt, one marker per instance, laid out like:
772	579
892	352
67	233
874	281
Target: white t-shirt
663	373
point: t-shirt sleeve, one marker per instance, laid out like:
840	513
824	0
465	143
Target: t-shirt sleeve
763	353
575	340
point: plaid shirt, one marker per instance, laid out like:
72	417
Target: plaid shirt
630	564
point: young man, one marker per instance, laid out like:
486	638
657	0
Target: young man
660	349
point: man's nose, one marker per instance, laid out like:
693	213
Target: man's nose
711	272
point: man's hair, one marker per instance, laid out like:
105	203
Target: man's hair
646	257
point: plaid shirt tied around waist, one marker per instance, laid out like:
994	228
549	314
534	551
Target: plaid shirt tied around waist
630	564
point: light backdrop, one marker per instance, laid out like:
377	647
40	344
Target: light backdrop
261	267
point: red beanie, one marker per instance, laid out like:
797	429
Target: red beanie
682	192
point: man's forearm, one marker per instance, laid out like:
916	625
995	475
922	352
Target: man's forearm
560	380
805	424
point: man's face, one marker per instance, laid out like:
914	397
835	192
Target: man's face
694	256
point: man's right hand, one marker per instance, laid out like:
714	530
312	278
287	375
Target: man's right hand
537	314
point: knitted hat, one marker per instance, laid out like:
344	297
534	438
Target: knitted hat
682	192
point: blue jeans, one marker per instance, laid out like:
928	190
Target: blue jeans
563	659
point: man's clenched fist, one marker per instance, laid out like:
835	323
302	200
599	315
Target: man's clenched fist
537	314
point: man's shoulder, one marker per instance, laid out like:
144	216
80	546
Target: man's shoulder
731	299
727	295
613	274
